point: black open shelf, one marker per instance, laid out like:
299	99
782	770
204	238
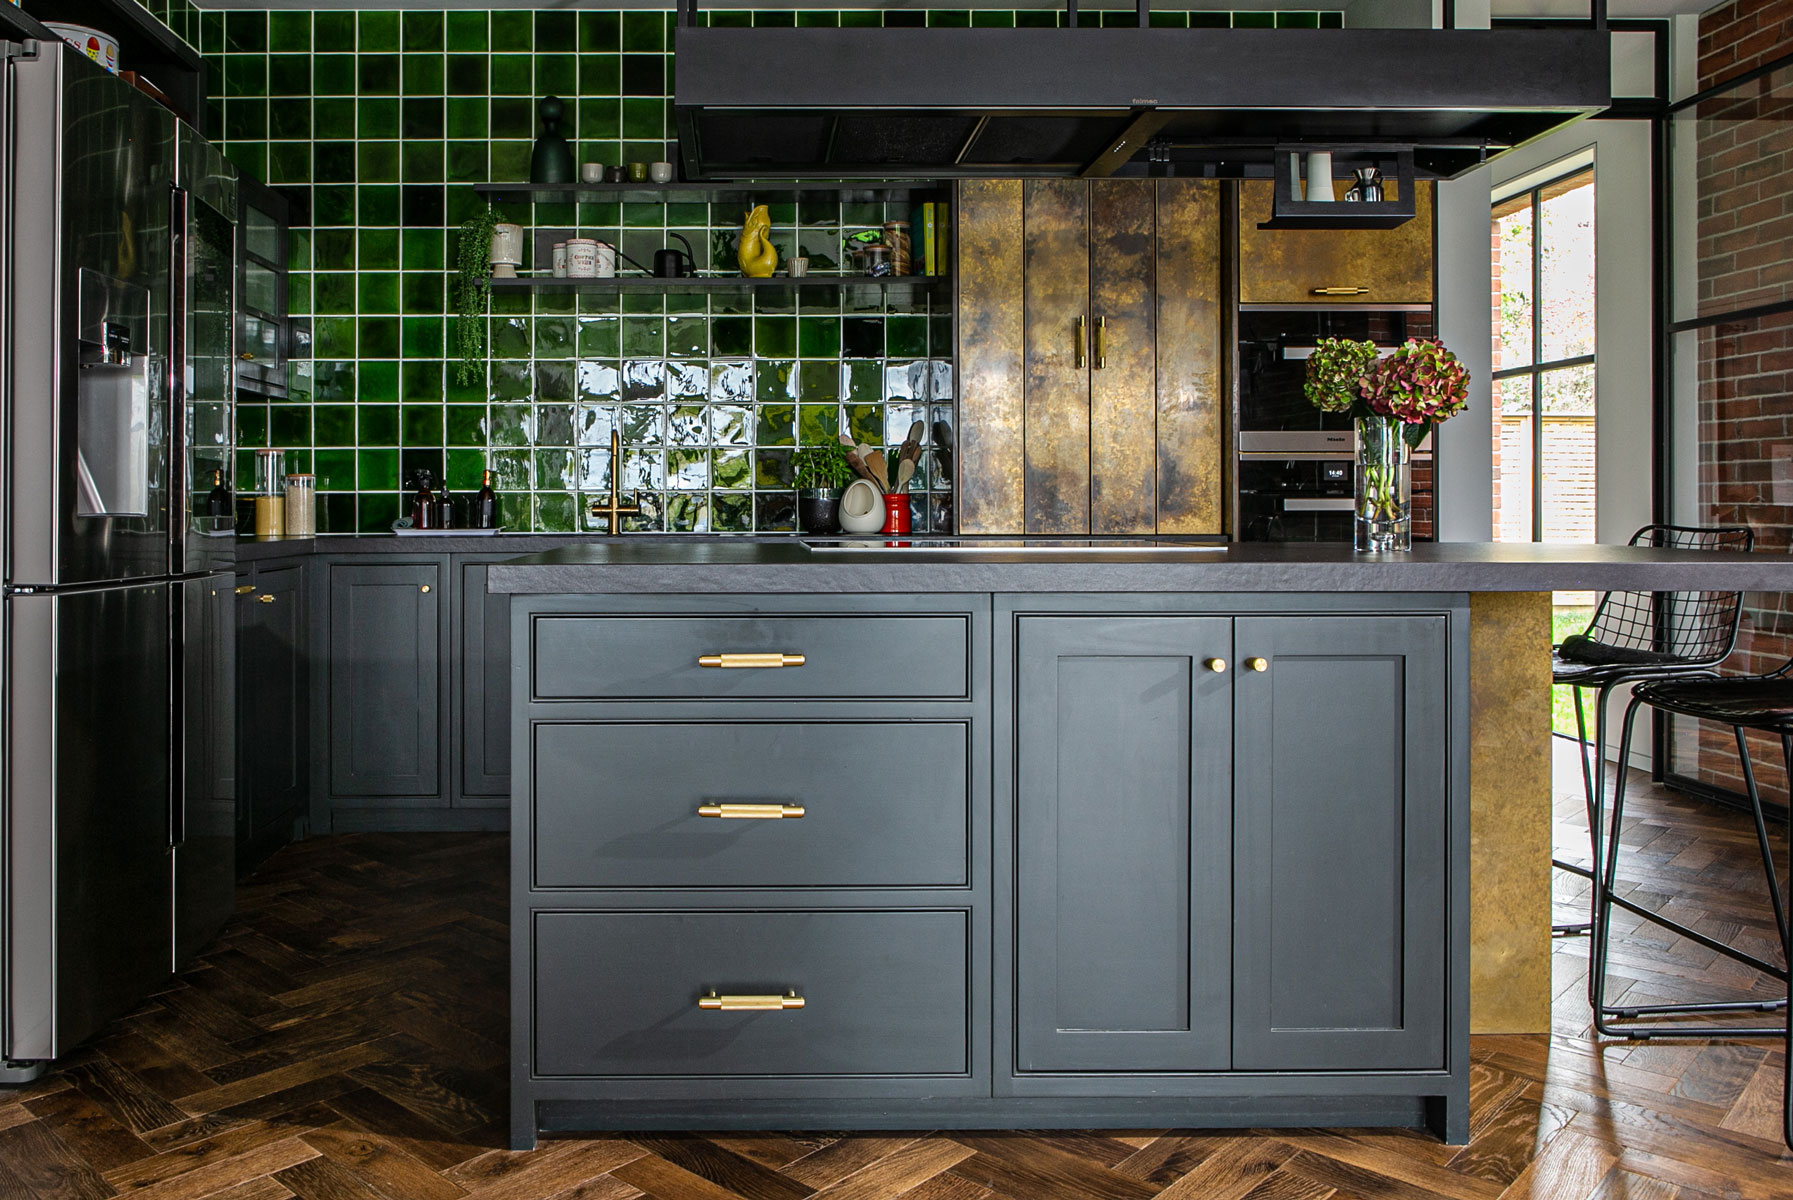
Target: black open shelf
17	25
145	46
891	287
773	192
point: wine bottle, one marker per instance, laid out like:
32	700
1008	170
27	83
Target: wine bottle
218	501
423	505
445	508
485	505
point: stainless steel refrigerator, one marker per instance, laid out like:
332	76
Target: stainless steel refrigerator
117	329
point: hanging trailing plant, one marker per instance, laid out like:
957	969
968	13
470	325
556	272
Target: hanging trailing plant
472	290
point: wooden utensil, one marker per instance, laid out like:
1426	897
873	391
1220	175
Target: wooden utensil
905	472
875	460
911	451
857	463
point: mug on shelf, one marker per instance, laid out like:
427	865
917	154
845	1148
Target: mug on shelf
591	172
660	172
560	260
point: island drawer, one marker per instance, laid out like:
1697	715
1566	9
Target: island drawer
659	993
683	804
638	656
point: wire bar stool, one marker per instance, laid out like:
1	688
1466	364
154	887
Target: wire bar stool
1760	702
1635	637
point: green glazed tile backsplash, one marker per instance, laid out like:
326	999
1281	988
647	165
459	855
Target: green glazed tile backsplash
383	120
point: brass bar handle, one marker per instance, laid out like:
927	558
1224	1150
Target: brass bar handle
1216	665
711	1002
1341	291
243	589
264	599
1077	359
752	812
1257	664
736	661
1101	343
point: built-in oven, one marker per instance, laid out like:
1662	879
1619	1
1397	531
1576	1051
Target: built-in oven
1296	463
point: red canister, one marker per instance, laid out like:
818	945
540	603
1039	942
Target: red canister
896	512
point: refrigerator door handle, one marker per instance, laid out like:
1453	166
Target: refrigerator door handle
179	486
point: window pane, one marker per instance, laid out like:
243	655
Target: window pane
1733	234
1512	254
1513	459
1568	466
1566	291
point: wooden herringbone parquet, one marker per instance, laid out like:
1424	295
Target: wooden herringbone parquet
345	1040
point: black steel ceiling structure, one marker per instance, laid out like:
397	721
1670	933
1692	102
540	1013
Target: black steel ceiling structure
943	103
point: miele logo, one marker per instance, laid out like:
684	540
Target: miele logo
1138	101
1338	437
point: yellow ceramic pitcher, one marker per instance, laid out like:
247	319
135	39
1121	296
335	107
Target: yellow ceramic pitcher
756	253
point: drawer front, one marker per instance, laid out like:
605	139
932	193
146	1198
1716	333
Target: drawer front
883	804
883	993
641	657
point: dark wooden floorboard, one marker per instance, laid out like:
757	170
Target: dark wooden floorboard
345	1039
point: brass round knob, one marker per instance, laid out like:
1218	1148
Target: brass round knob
1216	665
424	588
1257	664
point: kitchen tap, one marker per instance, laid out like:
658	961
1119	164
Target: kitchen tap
614	508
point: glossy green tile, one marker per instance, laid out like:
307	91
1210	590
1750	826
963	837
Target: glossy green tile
246	31
335	470
334	424
289	32
377	162
377	381
376	424
467	32
422	31
376	470
377	31
422	384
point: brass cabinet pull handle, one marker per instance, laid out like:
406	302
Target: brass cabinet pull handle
714	1003
243	589
736	661
1257	664
751	812
1101	343
264	599
1077	350
1341	291
1216	665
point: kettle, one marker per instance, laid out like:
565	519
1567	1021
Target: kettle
675	264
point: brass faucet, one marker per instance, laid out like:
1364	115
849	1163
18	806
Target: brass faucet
615	509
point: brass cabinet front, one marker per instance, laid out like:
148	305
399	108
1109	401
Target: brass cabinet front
1090	357
1333	266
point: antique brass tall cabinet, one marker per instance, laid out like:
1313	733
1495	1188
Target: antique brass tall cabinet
1090	356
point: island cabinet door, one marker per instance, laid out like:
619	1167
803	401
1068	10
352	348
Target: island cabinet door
1339	898
1122	844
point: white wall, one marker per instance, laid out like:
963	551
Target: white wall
1623	375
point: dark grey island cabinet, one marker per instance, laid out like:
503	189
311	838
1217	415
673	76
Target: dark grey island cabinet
940	860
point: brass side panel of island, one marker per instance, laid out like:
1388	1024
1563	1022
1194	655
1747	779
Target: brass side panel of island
1510	812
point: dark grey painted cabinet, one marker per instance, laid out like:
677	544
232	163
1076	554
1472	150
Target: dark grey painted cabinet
1340	843
1122	844
385	689
482	684
1287	770
1202	858
272	709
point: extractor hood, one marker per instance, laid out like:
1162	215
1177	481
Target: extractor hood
936	103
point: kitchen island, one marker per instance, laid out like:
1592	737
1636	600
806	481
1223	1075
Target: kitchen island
1030	835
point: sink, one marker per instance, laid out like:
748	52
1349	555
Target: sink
926	547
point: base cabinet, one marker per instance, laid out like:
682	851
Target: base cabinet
385	689
1214	847
273	710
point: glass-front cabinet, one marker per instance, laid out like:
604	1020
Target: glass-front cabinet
268	337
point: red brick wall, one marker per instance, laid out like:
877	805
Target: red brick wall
1745	254
1742	36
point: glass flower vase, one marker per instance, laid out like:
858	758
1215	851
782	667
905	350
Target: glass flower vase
1384	509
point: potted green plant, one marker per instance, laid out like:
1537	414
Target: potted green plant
472	289
822	471
1395	401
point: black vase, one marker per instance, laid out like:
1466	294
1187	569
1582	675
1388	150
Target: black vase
818	510
552	161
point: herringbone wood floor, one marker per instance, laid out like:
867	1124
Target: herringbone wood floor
345	1040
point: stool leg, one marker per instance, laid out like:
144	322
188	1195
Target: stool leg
1755	808
1599	908
1787	950
1606	875
1579	928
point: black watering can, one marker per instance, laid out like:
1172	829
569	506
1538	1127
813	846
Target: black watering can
669	263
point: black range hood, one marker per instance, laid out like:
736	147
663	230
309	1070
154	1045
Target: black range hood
938	103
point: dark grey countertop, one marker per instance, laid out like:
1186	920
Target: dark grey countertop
669	565
251	549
